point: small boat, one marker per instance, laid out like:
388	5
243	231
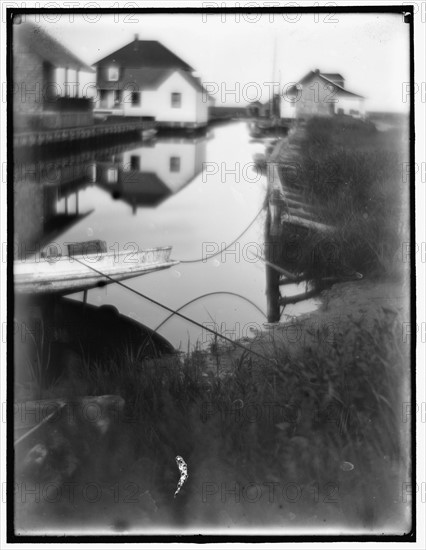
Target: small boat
86	266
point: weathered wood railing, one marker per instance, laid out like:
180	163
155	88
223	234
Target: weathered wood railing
31	138
287	207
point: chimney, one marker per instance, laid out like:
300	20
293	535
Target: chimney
136	45
317	71
136	37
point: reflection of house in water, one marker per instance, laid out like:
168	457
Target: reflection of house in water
147	174
47	199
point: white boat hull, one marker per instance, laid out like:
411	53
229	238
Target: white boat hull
67	274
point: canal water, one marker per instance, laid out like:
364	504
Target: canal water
196	194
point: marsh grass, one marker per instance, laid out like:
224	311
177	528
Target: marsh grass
35	363
353	175
298	418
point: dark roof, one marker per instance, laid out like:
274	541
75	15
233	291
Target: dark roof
340	89
37	40
137	188
322	76
333	76
145	53
146	78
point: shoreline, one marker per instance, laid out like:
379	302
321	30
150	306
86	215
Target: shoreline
344	304
356	303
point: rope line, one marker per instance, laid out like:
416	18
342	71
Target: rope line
226	247
205	296
196	323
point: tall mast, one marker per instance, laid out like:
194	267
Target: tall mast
274	62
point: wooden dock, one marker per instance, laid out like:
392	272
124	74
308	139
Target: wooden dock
287	207
79	133
285	190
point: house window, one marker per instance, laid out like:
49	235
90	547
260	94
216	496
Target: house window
174	164
113	74
112	175
176	100
136	99
135	162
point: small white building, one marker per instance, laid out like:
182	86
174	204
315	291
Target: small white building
145	79
320	94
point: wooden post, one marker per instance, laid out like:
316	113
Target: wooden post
272	294
272	274
272	245
66	91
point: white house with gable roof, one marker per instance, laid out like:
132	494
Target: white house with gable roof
320	94
146	79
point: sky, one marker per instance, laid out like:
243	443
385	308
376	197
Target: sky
235	53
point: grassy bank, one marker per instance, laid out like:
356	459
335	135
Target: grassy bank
320	428
354	177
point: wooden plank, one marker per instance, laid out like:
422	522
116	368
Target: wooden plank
297	220
276	187
285	300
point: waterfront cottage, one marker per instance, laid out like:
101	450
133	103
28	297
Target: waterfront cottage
146	79
47	91
320	94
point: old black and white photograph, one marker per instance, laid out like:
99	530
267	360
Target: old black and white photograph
208	221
